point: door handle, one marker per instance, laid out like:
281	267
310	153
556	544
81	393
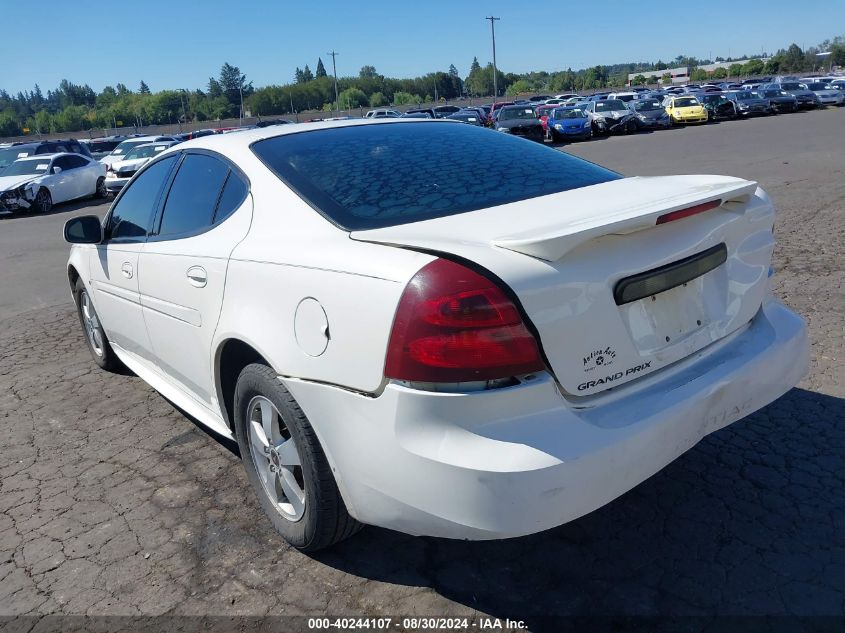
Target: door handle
197	276
126	269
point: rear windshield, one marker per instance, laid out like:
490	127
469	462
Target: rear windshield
372	176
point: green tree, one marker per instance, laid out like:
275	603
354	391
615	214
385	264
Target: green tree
307	75
122	90
321	70
9	125
144	89
405	98
699	74
352	98
518	87
735	70
638	80
794	58
752	67
368	72
377	100
720	73
453	71
666	78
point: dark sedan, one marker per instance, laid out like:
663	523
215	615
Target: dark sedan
650	114
519	121
780	100
807	99
749	103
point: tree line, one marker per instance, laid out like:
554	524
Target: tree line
72	107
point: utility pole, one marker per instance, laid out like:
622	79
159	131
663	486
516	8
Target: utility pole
334	69
495	72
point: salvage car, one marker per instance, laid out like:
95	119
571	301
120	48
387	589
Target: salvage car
568	122
424	350
807	99
469	116
718	106
685	109
519	121
750	103
650	114
36	148
827	94
119	152
36	183
610	116
779	100
120	172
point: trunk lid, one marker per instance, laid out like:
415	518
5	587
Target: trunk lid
564	256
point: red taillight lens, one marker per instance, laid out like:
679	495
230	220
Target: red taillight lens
685	213
455	325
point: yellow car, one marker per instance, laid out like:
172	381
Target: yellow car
686	109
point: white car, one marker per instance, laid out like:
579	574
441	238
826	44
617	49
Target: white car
36	183
121	171
382	114
119	153
397	344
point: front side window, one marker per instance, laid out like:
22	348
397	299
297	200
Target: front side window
350	174
193	196
73	162
132	212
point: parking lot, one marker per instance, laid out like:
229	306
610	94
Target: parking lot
114	502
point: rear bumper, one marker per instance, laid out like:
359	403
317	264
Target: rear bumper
519	460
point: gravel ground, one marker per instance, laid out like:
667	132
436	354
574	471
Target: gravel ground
113	502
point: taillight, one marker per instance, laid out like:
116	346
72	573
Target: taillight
685	213
455	325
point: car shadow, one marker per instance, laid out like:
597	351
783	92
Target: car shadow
725	529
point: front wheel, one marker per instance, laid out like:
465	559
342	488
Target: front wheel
286	464
43	201
95	336
100	190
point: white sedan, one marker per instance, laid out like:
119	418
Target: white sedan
120	172
392	341
36	183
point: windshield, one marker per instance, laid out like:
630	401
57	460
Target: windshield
647	105
125	146
625	97
351	174
818	86
145	152
102	146
686	102
27	167
713	99
610	105
510	114
11	154
791	86
574	113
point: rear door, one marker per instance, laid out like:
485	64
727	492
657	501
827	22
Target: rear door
183	265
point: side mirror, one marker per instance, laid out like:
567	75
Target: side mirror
57	169
85	229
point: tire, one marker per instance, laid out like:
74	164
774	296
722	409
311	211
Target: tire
318	518
100	190
43	201
631	127
95	336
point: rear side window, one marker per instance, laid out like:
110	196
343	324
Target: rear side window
234	192
193	196
132	212
372	176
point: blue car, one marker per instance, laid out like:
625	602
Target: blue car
568	122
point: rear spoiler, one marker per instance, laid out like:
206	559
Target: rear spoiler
554	244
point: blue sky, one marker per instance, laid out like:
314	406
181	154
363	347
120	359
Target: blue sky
180	44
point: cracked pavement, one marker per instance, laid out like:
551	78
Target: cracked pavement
113	502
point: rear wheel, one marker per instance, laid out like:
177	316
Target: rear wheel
286	464
43	201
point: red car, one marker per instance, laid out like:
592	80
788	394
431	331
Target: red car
543	112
